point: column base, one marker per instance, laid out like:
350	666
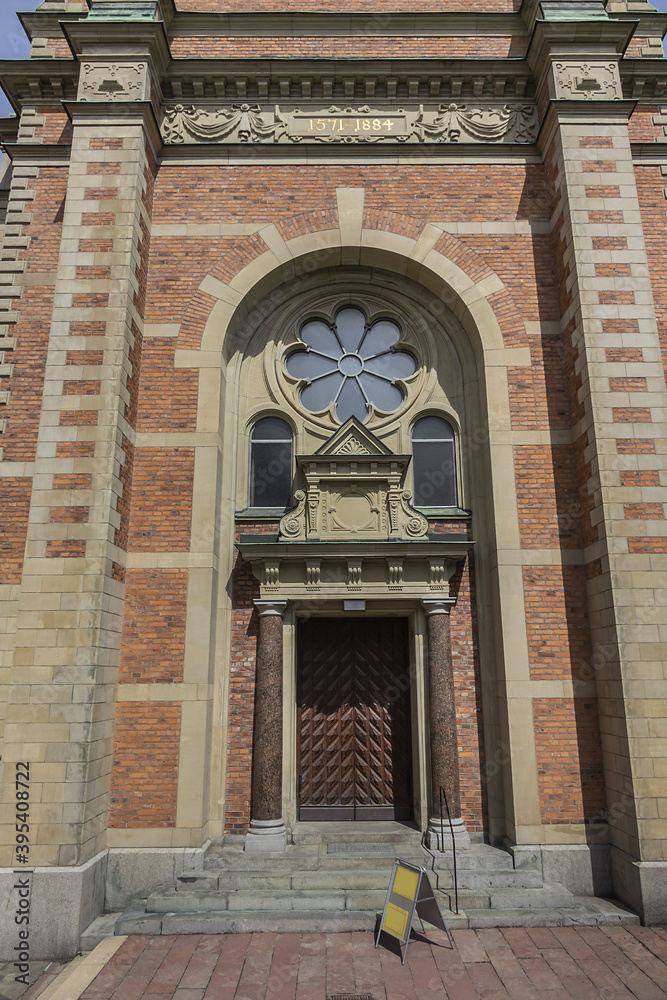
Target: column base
266	835
433	834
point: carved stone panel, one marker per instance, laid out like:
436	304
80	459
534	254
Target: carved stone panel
113	82
444	123
354	492
587	81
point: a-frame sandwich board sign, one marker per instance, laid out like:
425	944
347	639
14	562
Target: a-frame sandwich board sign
409	892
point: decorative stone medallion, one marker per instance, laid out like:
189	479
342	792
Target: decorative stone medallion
584	81
113	82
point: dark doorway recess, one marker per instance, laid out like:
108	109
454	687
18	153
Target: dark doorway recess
354	719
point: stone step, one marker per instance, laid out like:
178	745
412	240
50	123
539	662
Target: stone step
582	915
248	921
341	833
359	878
171	900
102	927
483	859
253	896
547	897
308	880
550	896
589	911
300	858
288	862
510	879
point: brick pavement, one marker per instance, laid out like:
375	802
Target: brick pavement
560	963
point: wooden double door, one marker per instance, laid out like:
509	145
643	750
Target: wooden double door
354	719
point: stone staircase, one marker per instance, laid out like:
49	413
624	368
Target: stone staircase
334	878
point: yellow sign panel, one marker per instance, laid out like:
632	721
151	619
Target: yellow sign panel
410	883
395	921
406	882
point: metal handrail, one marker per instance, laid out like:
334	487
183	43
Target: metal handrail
443	794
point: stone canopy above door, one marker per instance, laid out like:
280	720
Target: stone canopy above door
353	531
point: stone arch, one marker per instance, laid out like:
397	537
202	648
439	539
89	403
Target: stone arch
427	254
214	337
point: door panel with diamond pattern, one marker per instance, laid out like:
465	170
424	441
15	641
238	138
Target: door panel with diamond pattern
354	719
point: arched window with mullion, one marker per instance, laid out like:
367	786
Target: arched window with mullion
434	463
271	464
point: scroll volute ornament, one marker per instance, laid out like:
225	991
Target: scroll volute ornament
355	490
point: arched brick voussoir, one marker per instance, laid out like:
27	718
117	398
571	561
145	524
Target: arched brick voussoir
196	316
461	278
306	223
243	253
393	222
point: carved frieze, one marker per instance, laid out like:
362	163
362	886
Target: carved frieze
446	123
113	82
588	81
355	569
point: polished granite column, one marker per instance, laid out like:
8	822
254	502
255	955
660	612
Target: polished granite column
442	726
267	829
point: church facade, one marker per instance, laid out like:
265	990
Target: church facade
333	423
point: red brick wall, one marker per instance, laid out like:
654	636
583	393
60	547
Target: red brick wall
269	193
161	499
153	638
547	500
350	47
34	308
371	6
57	128
168	395
15	508
468	695
569	760
240	724
651	186
556	621
145	764
538	395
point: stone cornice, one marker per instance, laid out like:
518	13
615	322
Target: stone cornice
584	112
369	570
38	153
115	113
578	39
47	23
348	79
394	152
328	23
649	154
9	128
114	40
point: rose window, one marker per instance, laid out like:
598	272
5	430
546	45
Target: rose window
352	365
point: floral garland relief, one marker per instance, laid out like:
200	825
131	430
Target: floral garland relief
450	123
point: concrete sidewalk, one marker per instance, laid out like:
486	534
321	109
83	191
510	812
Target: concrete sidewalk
560	963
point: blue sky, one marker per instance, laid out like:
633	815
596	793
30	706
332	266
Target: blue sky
14	44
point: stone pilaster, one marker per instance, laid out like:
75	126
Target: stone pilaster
267	829
620	434
62	682
443	742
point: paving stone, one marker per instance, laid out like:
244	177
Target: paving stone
531	964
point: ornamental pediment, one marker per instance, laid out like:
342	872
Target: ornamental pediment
355	491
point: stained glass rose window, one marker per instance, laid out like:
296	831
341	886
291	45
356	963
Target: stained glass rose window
352	364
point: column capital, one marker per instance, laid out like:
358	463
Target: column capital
266	608
438	605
